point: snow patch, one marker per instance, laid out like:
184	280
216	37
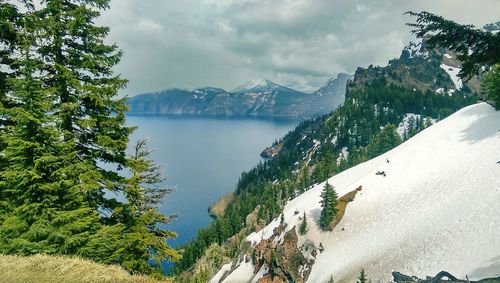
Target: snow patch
223	270
262	272
343	155
264	234
242	273
453	73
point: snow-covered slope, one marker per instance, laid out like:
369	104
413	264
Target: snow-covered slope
436	209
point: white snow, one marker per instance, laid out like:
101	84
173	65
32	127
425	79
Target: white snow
440	90
344	154
410	120
253	84
224	269
242	273
437	208
262	271
453	73
264	233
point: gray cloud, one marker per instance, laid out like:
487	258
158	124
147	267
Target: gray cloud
298	43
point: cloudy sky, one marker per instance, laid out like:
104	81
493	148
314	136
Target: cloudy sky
297	43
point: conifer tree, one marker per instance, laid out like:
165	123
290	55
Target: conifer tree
362	277
138	237
61	124
78	70
491	85
9	37
329	206
477	49
303	225
44	208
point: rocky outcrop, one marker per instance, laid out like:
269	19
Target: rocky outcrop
442	276
271	150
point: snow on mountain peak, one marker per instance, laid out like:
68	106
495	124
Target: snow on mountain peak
255	84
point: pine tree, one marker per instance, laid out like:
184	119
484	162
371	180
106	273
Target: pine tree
44	208
61	122
362	277
491	85
78	71
478	50
138	235
9	39
303	225
329	206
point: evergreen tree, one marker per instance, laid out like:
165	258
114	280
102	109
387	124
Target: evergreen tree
9	38
362	277
60	124
43	202
303	225
478	50
491	85
138	235
78	70
329	206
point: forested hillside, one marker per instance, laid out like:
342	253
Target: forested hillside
383	107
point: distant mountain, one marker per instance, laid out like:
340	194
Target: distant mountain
256	98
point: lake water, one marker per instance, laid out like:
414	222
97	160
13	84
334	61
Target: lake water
203	159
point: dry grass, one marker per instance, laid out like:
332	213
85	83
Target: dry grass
48	269
342	205
217	209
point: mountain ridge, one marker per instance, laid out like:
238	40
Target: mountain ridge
256	98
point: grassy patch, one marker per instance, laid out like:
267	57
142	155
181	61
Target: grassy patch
47	269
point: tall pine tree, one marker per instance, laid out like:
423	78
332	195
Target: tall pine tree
329	206
43	209
63	143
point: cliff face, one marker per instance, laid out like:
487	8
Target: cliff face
258	98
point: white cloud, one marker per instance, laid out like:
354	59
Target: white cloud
360	7
149	25
300	43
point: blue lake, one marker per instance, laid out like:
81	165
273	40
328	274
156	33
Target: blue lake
202	159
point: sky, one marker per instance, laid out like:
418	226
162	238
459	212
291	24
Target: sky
296	43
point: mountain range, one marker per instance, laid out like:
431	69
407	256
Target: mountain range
256	98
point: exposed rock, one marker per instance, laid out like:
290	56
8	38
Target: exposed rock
217	209
442	276
272	150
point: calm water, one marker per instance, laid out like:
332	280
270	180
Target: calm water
203	159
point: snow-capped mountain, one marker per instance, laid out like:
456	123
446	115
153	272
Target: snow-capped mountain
260	97
264	86
434	208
